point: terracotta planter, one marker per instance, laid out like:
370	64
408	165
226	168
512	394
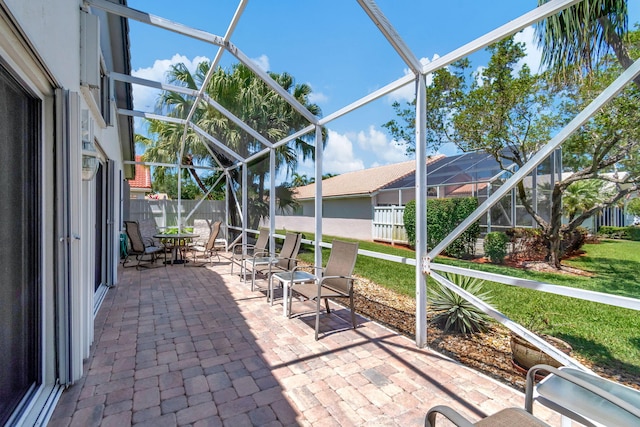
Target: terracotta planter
526	355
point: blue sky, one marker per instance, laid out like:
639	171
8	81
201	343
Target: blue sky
333	46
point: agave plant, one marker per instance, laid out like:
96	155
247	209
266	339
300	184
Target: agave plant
455	312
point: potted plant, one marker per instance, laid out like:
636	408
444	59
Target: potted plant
525	355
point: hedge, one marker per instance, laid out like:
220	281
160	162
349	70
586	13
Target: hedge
627	233
443	215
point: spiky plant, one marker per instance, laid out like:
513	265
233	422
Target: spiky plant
455	312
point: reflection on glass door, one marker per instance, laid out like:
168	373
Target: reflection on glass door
20	251
99	229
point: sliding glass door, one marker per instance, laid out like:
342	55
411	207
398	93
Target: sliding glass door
20	247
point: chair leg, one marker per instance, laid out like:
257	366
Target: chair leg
124	263
326	304
353	311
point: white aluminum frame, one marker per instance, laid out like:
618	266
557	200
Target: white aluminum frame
419	73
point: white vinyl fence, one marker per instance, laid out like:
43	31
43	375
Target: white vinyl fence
388	224
165	212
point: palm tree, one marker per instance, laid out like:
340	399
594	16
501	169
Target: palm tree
575	39
253	102
581	196
300	180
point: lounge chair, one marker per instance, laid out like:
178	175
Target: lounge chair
336	281
209	248
238	257
141	248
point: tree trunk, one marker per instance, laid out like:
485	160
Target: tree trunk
554	250
616	44
554	230
188	160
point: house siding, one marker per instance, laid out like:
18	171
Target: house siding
349	208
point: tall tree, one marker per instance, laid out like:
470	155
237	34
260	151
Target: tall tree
253	102
507	111
575	40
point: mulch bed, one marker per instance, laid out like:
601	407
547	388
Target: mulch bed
489	352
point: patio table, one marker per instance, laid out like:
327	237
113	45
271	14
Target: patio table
179	240
288	278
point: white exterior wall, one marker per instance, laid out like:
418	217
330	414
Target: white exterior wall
339	227
52	29
347	207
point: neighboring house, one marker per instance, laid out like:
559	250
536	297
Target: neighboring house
348	200
140	186
353	194
352	200
64	149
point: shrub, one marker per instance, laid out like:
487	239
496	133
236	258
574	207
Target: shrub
495	246
409	219
573	242
443	215
455	312
634	233
628	233
612	232
528	243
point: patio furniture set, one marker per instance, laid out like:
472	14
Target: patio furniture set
146	247
307	283
312	283
575	394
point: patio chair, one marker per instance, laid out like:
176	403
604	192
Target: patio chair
209	248
505	418
264	264
139	247
336	281
237	257
579	395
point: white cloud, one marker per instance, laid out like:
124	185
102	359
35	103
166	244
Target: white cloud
262	62
377	143
372	146
318	98
144	98
408	92
338	156
534	53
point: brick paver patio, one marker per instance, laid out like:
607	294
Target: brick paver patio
195	347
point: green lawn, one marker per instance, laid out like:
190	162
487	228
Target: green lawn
609	336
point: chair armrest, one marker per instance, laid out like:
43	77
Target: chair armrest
314	268
260	254
351	279
447	412
238	245
592	388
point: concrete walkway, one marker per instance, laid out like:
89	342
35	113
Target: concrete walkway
195	347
